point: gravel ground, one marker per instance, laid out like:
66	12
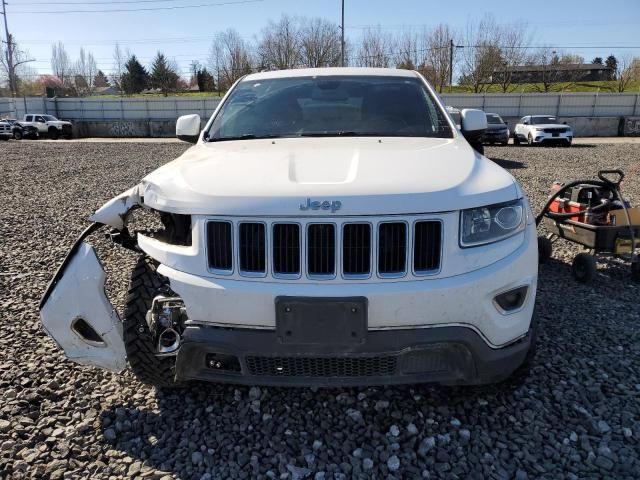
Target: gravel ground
576	416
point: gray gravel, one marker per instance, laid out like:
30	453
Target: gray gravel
576	416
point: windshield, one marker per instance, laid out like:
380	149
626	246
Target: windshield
494	118
543	120
330	106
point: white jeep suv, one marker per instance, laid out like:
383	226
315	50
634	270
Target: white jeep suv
542	129
329	227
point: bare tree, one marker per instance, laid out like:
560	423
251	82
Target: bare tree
12	63
626	72
437	55
482	55
61	65
319	43
119	61
280	46
408	54
229	58
514	42
85	73
375	49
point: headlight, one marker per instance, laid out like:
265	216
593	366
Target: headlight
489	224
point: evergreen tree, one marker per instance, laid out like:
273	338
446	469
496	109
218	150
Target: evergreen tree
597	61
163	75
612	63
101	80
135	78
205	81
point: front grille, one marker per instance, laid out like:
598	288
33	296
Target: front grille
350	248
286	248
392	248
321	249
220	245
356	249
426	246
321	366
555	130
252	247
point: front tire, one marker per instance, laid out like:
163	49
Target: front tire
145	284
17	135
516	140
530	140
54	134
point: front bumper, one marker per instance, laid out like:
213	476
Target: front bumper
549	138
446	355
496	137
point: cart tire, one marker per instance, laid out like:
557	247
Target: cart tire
545	249
635	271
584	268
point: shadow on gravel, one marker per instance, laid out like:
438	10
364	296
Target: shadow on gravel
508	164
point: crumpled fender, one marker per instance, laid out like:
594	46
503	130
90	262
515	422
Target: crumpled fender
114	212
76	300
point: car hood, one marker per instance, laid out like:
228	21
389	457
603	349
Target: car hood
368	176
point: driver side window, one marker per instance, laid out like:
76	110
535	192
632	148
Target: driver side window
39	119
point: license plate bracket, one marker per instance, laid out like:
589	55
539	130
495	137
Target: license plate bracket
321	320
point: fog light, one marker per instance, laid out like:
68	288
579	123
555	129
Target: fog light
513	299
219	361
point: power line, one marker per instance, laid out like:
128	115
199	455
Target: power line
176	7
96	3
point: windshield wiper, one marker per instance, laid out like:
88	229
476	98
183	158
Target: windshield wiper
343	133
245	136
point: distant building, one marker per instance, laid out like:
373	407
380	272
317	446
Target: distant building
558	72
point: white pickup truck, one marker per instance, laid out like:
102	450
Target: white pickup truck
329	227
48	125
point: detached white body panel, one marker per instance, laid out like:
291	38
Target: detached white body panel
79	295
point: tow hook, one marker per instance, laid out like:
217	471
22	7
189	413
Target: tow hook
165	320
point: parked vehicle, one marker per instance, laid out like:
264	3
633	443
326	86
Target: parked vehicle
329	227
542	129
497	130
49	125
5	131
20	131
454	114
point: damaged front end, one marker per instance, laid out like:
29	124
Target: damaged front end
75	310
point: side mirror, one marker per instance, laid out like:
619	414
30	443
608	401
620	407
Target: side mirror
473	124
188	128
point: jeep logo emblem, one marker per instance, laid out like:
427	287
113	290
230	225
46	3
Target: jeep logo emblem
333	205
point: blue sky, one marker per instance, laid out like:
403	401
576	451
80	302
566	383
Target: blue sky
186	34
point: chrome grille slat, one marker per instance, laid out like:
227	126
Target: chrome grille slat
426	246
252	247
356	249
392	248
286	248
321	249
220	246
325	249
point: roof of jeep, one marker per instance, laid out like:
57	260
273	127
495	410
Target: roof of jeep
311	72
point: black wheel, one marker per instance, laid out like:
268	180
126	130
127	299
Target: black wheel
545	249
54	134
584	268
530	140
145	284
504	144
68	137
635	271
516	140
18	135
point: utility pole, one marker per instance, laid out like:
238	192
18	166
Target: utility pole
10	52
451	47
342	41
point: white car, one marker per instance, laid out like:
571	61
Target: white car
328	227
542	129
48	125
